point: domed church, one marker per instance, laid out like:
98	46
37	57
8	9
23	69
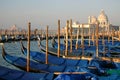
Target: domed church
103	19
104	24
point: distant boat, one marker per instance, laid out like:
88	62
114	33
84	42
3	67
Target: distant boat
12	74
2	38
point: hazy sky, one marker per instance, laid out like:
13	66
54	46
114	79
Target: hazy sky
46	12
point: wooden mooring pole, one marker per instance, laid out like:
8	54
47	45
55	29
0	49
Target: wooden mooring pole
66	49
112	36
93	36
103	35
89	34
71	35
97	29
82	41
46	45
58	38
119	33
28	48
108	33
103	40
78	31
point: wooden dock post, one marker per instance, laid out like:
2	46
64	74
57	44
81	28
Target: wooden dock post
103	35
93	36
119	33
58	38
108	33
66	50
103	40
78	31
112	36
46	45
64	38
28	48
89	34
97	29
71	35
82	41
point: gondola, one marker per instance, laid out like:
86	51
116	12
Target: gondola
86	76
62	46
86	47
108	43
113	44
103	64
88	50
112	50
53	51
21	62
98	62
12	74
37	67
40	57
53	60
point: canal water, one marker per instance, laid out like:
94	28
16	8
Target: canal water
14	48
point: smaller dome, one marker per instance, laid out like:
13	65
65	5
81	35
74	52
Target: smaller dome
93	19
13	28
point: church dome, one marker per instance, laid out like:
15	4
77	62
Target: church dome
102	16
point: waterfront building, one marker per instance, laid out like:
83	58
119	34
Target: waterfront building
102	19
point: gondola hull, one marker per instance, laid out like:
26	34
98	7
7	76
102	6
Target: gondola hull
12	74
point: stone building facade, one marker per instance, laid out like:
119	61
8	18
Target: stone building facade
104	24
